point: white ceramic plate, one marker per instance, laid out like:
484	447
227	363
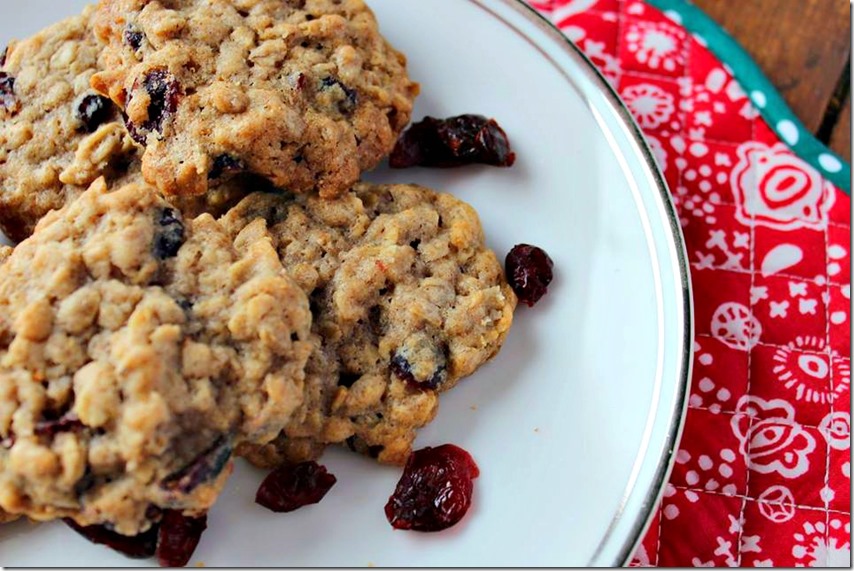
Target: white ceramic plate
574	423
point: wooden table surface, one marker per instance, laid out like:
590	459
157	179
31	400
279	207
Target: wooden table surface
804	48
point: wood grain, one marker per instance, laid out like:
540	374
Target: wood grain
801	45
840	141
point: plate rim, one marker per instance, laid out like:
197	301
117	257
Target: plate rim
676	240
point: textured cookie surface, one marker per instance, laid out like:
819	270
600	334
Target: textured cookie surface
137	349
406	300
57	135
306	93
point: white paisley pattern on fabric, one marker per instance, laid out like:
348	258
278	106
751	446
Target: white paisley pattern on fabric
801	367
735	326
657	45
650	105
770	437
762	474
814	548
573	7
836	428
774	188
777	504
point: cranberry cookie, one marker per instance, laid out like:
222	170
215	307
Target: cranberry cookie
137	350
306	93
57	135
406	300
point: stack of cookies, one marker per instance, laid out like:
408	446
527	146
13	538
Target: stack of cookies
199	274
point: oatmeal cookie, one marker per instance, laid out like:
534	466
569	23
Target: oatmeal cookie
406	300
57	135
306	93
137	349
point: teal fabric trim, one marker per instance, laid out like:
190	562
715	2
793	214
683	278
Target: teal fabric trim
761	91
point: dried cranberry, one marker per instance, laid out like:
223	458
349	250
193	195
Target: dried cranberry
529	271
291	487
153	513
205	467
3	56
358	445
403	371
163	92
134	131
132	37
435	490
179	536
421	349
86	483
453	142
225	164
93	111
351	97
169	236
298	81
140	546
50	428
8	101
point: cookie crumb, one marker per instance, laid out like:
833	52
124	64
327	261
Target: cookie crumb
200	564
473	407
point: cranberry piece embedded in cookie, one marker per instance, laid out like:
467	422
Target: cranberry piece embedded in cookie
3	56
162	87
170	234
435	490
132	37
50	428
178	538
421	362
133	130
359	446
291	487
205	467
8	101
529	271
225	164
140	546
350	97
163	92
402	369
93	111
86	483
298	80
453	142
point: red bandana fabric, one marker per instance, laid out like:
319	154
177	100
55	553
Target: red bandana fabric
763	472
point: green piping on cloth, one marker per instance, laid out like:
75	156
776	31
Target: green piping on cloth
762	92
